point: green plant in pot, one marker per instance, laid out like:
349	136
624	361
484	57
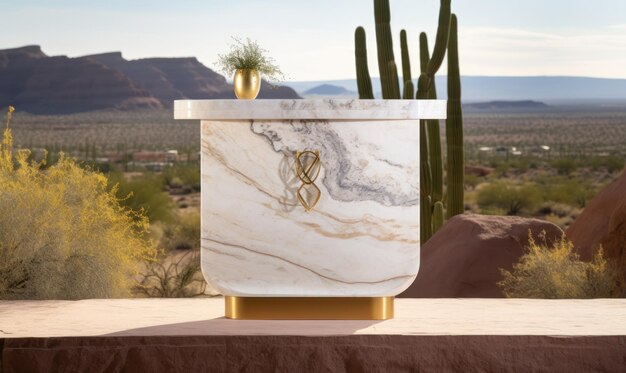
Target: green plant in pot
248	62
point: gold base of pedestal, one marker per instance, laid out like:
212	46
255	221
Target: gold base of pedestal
308	308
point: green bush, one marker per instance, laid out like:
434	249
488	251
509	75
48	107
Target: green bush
556	272
180	175
571	194
144	194
183	234
570	191
510	198
565	166
63	233
471	181
613	164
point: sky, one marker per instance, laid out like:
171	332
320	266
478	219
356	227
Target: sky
314	40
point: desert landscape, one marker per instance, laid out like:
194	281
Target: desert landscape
381	186
546	165
532	157
557	158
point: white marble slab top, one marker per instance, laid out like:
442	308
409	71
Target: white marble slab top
353	109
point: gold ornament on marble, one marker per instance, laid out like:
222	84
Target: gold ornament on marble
308	169
247	84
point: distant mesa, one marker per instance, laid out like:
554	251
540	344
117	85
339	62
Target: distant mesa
507	105
34	82
37	83
8	56
329	90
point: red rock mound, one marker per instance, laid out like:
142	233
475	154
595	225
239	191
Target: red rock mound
462	260
603	223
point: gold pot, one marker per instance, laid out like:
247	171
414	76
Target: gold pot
247	84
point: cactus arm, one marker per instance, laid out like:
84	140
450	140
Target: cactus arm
364	82
426	227
454	128
435	159
441	44
437	216
406	62
425	176
422	87
386	62
393	82
408	90
425	171
441	41
432	129
424	53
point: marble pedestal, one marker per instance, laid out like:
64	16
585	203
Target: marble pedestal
355	249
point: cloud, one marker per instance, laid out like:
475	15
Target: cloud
510	51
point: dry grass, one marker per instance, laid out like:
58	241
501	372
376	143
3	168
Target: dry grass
554	271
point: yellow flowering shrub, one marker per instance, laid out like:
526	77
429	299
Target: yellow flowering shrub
63	233
556	272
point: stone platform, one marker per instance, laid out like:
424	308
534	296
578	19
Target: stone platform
469	335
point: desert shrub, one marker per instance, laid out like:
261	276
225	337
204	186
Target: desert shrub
565	166
184	234
500	168
176	271
614	164
508	197
144	194
520	164
558	209
570	191
562	221
471	181
174	275
610	163
555	271
175	182
179	175
63	233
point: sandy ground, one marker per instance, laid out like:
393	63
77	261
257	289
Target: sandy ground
148	317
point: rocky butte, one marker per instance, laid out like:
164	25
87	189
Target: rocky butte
42	84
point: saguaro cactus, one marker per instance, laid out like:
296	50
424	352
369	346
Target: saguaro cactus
386	62
432	205
454	127
363	80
